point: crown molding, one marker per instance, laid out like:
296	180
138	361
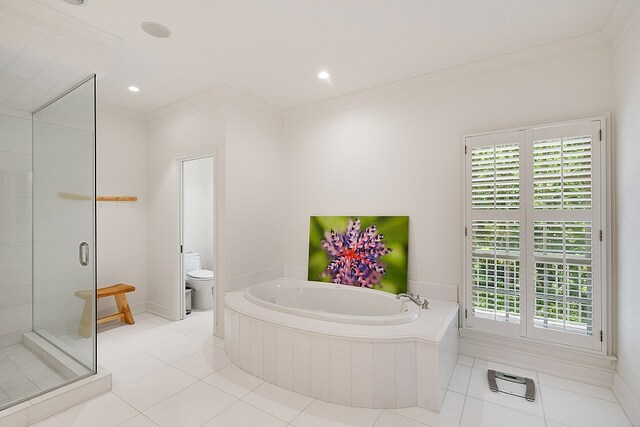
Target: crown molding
33	24
623	16
203	101
566	50
118	111
218	96
5	111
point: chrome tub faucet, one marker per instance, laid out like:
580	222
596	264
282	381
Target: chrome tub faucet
422	303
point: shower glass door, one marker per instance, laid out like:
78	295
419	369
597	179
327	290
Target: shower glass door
64	255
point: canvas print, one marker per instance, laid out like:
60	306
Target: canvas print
364	251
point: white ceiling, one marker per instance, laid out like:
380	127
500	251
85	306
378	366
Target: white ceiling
273	49
30	79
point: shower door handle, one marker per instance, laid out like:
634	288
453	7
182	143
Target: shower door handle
83	253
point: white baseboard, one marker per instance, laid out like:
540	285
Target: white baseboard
249	279
628	401
570	364
160	310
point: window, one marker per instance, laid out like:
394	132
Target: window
533	213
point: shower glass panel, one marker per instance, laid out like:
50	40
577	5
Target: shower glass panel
47	246
64	256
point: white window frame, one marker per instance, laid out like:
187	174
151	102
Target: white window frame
599	342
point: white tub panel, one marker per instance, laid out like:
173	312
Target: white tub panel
301	363
245	343
350	364
320	359
285	358
232	336
341	372
384	373
270	353
406	384
362	374
427	377
447	358
257	349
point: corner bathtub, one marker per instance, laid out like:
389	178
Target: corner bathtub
345	345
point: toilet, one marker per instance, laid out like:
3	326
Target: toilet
201	281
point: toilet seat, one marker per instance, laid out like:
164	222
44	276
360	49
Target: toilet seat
200	275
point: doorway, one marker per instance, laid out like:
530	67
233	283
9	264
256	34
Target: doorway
197	235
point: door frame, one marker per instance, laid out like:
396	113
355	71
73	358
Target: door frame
179	297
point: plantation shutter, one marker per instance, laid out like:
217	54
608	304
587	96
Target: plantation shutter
494	241
564	229
533	220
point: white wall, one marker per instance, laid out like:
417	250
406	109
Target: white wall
122	226
404	157
198	209
15	228
627	244
254	207
247	145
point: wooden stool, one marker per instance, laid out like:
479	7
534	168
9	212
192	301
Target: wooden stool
118	292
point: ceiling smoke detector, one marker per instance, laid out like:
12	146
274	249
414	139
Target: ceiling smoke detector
156	30
76	2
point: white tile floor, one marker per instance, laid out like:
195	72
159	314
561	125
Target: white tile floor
177	374
23	374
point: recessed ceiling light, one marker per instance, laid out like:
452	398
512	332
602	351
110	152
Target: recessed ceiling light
76	2
134	88
324	75
156	30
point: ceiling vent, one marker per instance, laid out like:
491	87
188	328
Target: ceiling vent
156	30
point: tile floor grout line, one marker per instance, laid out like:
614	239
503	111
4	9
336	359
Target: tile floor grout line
503	406
403	416
239	398
134	408
377	418
582	394
173	394
260	409
303	409
464	403
539	385
466	390
168	342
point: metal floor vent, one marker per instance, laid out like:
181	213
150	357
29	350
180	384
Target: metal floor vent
530	391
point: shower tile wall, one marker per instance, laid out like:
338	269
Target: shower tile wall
15	229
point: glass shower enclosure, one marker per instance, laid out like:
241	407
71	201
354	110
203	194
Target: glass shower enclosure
47	246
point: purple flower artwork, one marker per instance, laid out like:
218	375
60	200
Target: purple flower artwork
368	252
355	255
